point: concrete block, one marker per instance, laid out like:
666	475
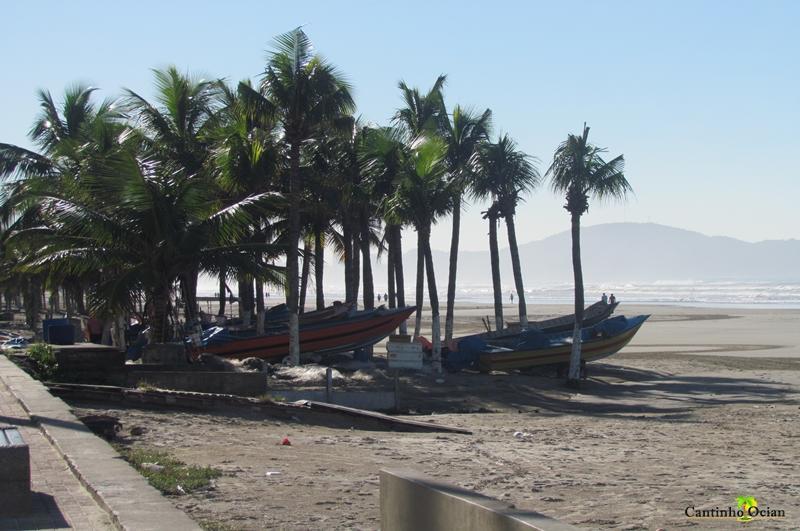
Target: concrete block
165	354
410	501
15	473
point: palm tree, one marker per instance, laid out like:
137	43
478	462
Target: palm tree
245	159
73	138
422	115
464	134
305	93
508	174
579	171
160	224
176	130
423	195
384	157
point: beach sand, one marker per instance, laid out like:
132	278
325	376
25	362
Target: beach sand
702	407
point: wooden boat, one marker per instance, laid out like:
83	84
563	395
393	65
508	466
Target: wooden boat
533	348
600	341
592	315
356	330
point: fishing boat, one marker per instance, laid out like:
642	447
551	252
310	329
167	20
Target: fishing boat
534	348
592	315
280	313
357	329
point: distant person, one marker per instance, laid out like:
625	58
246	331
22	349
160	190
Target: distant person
604	299
612	299
379	297
512	296
385	298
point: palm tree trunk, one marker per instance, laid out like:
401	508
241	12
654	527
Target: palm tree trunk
347	240
512	245
291	255
79	298
160	310
390	278
398	272
451	278
319	267
189	291
495	259
260	306
304	276
369	287
575	357
420	283
356	266
222	286
434	301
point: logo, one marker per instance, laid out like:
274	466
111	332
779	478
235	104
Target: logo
746	510
745	503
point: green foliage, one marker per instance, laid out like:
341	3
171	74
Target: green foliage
44	360
170	475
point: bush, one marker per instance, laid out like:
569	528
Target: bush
44	360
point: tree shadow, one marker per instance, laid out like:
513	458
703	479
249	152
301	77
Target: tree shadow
610	391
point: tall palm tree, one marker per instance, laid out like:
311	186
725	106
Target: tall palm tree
464	134
422	115
384	157
245	159
579	171
507	175
423	195
306	94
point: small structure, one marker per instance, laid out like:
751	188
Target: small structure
410	501
15	473
402	353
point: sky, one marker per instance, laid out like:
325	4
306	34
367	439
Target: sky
702	98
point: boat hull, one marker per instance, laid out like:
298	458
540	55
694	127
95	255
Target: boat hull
591	350
322	338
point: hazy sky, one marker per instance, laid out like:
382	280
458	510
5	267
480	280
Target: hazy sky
702	98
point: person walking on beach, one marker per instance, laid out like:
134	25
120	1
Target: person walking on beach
604	299
379	297
512	297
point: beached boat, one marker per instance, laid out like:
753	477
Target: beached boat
533	348
280	313
592	315
356	330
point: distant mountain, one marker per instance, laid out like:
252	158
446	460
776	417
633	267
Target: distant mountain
611	253
630	252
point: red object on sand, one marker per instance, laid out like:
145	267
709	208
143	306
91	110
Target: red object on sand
286	442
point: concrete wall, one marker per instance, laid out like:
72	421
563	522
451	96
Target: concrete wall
411	502
227	383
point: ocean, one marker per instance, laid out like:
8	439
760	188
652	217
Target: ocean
718	294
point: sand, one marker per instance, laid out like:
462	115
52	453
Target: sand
702	407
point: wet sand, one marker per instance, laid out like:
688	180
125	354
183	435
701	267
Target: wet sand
701	407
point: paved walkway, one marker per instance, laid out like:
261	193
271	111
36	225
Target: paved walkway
59	499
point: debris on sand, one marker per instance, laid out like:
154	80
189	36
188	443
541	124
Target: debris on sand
306	374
